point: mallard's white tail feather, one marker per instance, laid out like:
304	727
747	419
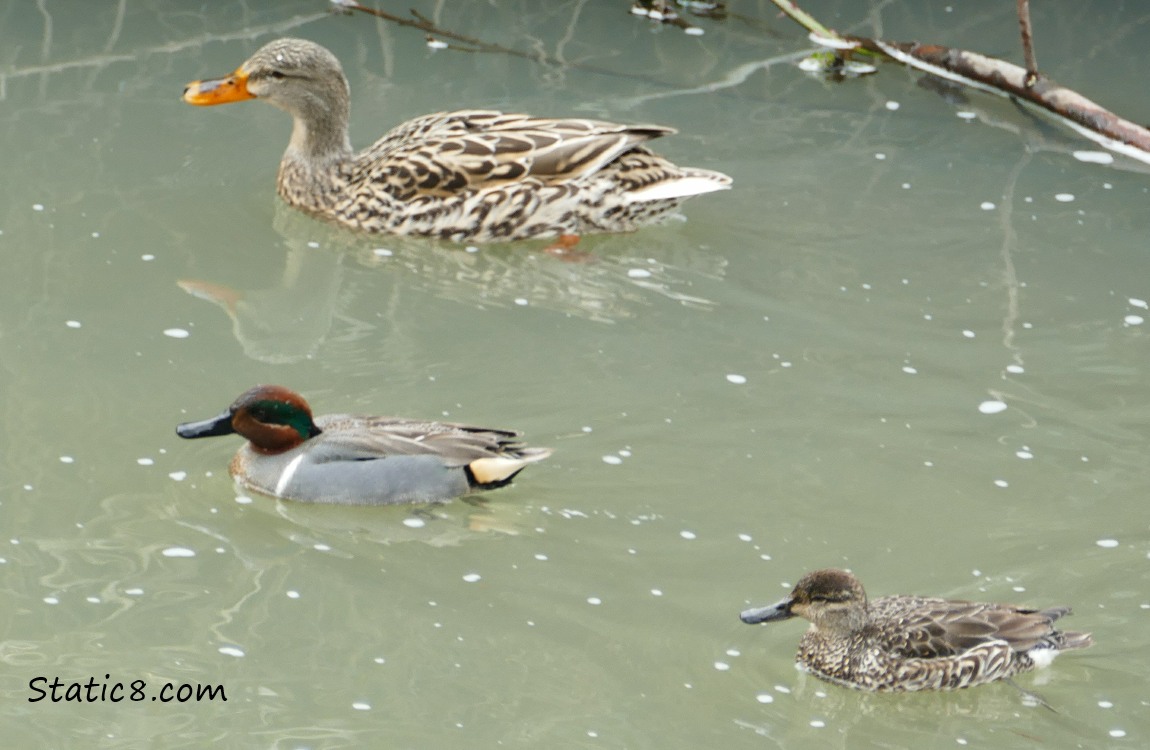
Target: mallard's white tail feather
697	182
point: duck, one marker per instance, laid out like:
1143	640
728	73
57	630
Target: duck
909	643
466	176
359	460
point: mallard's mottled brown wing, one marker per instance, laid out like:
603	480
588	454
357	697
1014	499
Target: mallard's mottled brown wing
352	438
451	152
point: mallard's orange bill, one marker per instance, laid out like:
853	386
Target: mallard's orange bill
233	88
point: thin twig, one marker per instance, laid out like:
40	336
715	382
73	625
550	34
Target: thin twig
434	31
1027	42
802	18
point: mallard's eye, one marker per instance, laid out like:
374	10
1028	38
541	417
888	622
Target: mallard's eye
277	75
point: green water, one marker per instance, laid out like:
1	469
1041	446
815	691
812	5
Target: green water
789	379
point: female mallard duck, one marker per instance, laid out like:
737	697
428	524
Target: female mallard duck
903	643
473	175
354	460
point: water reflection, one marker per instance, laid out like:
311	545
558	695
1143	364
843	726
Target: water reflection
307	300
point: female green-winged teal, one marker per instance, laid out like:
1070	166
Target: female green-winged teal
903	643
475	176
354	460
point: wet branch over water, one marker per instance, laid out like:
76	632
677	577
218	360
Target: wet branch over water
1025	85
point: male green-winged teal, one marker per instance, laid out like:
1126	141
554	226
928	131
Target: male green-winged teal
473	175
904	643
356	460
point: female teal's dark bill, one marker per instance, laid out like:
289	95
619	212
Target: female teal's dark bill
905	643
358	460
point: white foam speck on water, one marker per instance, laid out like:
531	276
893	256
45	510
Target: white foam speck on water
176	333
1135	302
1094	157
968	333
72	323
880	156
540	557
243	500
639	273
37	206
745	537
231	651
1117	733
1015	369
782	688
321	547
382	252
1105	704
765	698
656	592
722	666
906	186
67	460
292	594
178	552
361	705
92	599
144	257
312	244
818	723
1107	543
736	379
987	206
687	534
379	660
134	592
1024	454
991	407
414	523
1064	197
1001	483
145	461
909	370
1133	320
733	652
694	30
471	577
613	460
594	600
625	453
586	428
521	301
965	115
471	249
892	105
1018	589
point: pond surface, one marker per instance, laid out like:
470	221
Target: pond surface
911	342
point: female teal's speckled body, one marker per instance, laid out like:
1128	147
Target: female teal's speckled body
907	643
